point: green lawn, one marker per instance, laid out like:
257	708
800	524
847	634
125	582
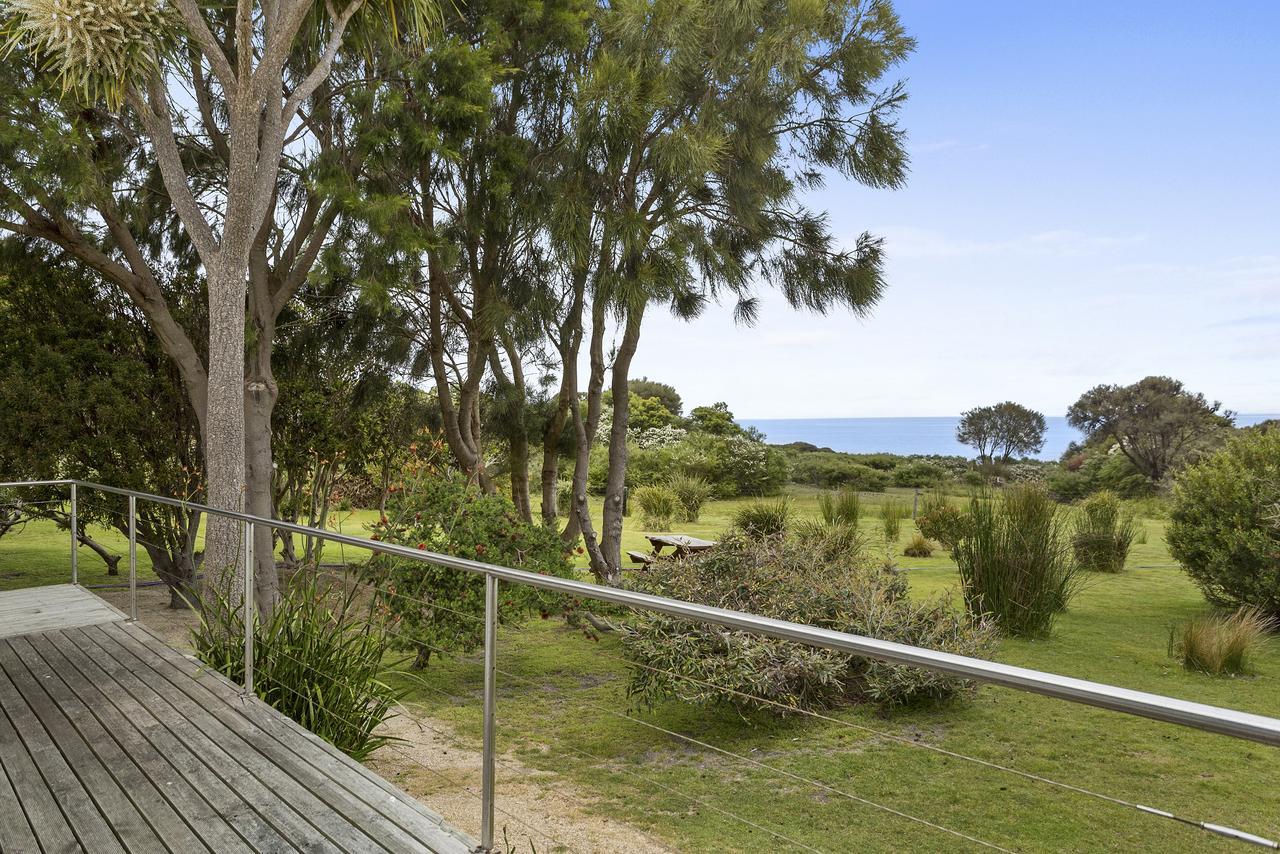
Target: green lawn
564	708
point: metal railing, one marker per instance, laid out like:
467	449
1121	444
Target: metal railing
1238	724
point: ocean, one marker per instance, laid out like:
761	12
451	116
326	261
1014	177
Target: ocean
907	435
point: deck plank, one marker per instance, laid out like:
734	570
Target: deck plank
379	794
304	775
111	740
174	833
205	803
88	824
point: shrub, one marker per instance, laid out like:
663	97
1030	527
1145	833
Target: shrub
1224	527
1102	533
830	469
834	540
1220	646
439	609
918	474
941	521
764	519
658	506
692	493
918	547
317	659
891	514
1015	561
842	506
790	580
734	465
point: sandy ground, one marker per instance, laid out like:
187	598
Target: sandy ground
536	810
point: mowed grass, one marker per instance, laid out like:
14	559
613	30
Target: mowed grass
563	708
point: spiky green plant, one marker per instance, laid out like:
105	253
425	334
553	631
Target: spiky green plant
692	492
892	512
1102	533
98	47
764	519
1015	560
658	506
317	659
841	506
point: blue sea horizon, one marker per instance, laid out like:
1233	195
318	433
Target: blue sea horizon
906	436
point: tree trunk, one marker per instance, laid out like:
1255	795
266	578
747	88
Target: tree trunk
260	399
611	528
585	430
224	439
569	344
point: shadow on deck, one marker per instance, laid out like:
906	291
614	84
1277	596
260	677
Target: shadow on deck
111	740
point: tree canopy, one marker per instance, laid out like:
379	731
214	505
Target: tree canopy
1156	422
1002	431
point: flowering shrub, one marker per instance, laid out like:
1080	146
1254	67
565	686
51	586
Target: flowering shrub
804	581
439	609
667	436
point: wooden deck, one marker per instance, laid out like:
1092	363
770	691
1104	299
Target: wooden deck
111	740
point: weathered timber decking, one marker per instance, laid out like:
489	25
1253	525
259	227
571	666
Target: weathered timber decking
111	740
61	606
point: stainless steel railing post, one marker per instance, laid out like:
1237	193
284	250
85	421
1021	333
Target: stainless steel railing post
250	610
133	558
490	704
75	535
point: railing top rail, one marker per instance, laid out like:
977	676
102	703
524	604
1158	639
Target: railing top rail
1201	716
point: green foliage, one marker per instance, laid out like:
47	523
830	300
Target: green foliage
892	512
647	413
918	547
715	419
919	474
1218	645
1002	431
692	492
764	519
1015	561
835	540
829	469
1102	533
439	609
841	506
317	659
941	521
1156	422
87	392
1099	466
732	465
800	581
666	394
658	506
1225	523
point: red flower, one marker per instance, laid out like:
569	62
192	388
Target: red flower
422	546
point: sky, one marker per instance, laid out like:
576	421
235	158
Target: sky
1094	196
